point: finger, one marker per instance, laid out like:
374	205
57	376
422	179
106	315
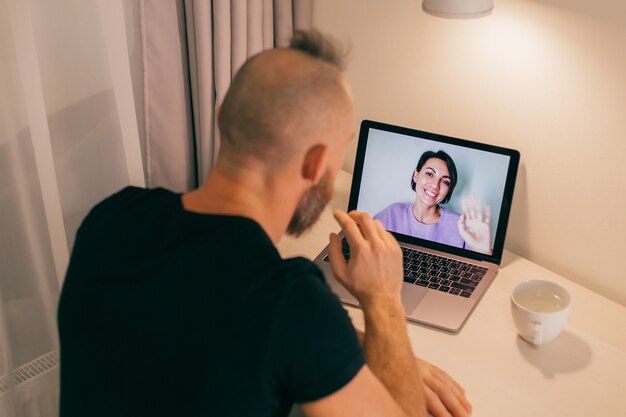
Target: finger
473	208
457	404
383	233
487	213
444	376
389	239
460	391
449	395
461	223
365	223
464	204
349	227
443	391
433	404
477	207
335	256
467	406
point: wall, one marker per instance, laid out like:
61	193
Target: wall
545	77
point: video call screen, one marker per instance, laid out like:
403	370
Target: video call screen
391	158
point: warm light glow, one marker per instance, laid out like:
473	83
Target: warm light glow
458	9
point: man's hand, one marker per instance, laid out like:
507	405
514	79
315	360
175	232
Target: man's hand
375	267
444	396
475	225
374	277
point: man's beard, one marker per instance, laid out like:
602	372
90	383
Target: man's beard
311	206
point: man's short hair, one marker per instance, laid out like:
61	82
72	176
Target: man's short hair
319	46
282	95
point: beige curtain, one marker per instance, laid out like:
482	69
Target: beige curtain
68	138
191	51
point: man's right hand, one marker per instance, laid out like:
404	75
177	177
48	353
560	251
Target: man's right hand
375	268
374	276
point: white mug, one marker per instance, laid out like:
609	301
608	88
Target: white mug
540	310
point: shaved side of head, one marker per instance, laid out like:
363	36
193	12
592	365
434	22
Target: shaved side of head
283	99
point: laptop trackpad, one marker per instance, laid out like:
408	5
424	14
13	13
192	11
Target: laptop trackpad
411	296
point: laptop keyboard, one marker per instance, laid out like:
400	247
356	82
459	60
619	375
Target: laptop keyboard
435	272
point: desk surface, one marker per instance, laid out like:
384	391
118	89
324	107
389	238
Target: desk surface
581	373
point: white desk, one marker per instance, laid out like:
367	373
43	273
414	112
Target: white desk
581	373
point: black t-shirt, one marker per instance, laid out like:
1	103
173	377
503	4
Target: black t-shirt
166	312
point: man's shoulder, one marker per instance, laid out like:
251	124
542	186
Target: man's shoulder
299	280
131	195
299	263
133	219
299	271
128	198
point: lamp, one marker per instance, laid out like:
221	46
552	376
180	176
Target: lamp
458	9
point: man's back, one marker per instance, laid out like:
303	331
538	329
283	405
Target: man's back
169	312
180	305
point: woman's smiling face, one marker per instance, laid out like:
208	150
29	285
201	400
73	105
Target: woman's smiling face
432	182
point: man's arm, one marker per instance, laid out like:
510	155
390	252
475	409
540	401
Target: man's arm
445	397
380	389
390	384
364	396
388	353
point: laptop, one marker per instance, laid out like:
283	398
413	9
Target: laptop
444	276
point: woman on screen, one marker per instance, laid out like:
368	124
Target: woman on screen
433	181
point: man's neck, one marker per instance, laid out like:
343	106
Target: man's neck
246	194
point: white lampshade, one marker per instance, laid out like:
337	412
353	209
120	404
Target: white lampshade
458	8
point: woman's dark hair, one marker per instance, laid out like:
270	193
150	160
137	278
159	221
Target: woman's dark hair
451	168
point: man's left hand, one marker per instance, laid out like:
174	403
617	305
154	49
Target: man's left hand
444	396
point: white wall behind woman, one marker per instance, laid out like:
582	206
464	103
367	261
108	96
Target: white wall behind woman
545	77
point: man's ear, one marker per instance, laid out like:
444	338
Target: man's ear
314	163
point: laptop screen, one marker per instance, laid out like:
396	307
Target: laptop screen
442	192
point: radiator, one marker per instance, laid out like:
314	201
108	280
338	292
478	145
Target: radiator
33	390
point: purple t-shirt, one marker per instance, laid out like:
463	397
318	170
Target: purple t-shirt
398	217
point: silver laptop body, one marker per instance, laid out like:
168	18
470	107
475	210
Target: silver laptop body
386	157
